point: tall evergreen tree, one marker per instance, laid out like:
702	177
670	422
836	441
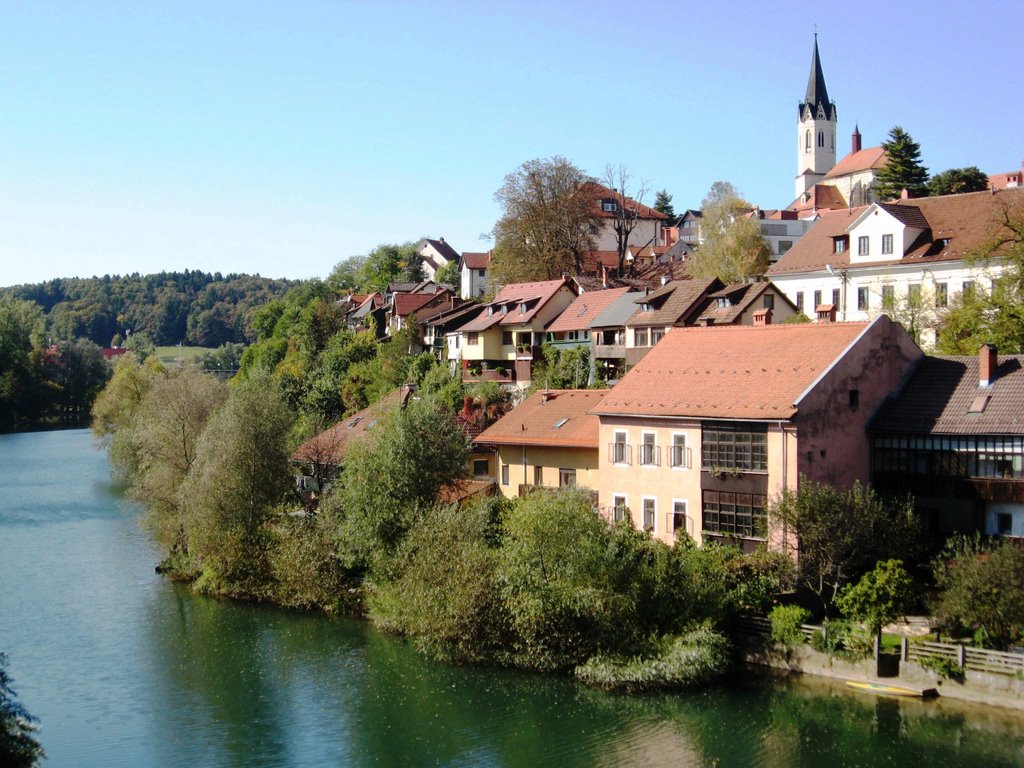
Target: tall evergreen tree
663	203
903	169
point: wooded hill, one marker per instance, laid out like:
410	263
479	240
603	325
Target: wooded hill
190	307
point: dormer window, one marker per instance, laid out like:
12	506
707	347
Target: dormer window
723	302
522	308
504	309
490	311
839	243
609	206
645	307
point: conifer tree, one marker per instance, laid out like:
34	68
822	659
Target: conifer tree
663	204
903	169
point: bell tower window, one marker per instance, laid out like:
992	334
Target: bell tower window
821	138
807	141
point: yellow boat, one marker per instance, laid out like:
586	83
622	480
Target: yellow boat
884	689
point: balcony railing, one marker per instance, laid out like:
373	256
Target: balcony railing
680	456
620	453
650	455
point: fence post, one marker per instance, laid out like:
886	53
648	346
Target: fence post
903	648
824	634
960	655
878	646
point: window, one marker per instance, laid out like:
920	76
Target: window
504	474
807	142
679	516
522	308
968	290
985	456
835	297
592	229
640	337
886	243
863	245
480	467
506	338
650	506
679	458
538	475
941	294
656	335
481	272
619	508
914	296
839	244
735	514
734	447
649	450
817	300
609	206
799	301
862	298
1004	524
472	338
784	246
821	138
566	478
854	400
619	449
888	296
769	301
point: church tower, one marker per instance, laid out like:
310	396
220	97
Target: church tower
815	130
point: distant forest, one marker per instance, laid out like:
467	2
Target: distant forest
193	308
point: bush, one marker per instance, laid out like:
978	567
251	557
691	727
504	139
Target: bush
306	568
694	658
880	597
786	622
843	640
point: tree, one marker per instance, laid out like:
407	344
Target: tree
732	246
982	589
626	215
546	222
663	204
22	394
345	275
842	534
956	181
448	274
902	169
880	597
385	264
19	748
81	372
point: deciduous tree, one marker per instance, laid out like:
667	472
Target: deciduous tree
956	181
626	216
732	246
19	747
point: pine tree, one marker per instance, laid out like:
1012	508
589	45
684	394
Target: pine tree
663	204
903	169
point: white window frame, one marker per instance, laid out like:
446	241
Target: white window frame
624	444
654	513
686	515
625	504
672	448
654	449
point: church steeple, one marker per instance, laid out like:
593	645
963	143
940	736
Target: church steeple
815	130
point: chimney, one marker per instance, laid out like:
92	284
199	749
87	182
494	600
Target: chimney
441	240
856	139
904	194
763	317
988	361
826	313
664	279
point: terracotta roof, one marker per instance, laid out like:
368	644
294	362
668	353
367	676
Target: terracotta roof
741	296
866	159
734	372
407	303
476	260
463	490
939	397
676	302
906	213
454	319
331	445
957	226
557	417
601	192
534	295
591	260
586	307
823	197
449	253
618	312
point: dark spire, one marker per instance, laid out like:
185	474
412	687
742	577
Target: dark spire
817	93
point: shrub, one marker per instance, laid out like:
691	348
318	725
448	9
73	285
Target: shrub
881	596
843	640
943	666
679	661
786	622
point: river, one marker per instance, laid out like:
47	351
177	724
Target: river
123	668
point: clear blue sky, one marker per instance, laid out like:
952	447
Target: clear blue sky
279	138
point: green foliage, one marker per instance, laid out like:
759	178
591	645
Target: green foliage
345	275
786	624
881	596
239	476
663	203
956	181
799	317
843	640
19	748
141	344
684	661
448	274
564	367
943	666
981	588
902	169
22	388
387	263
545	222
227	357
733	247
843	533
306	572
389	481
757	579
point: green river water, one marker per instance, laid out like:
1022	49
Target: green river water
123	668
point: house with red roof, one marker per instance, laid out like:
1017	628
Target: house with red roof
506	336
548	441
908	258
435	254
713	423
473	274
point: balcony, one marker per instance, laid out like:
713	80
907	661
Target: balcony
620	453
528	352
609	351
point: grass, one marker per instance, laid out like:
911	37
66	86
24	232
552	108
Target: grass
187	354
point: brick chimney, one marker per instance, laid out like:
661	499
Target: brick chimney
826	313
856	139
763	317
988	361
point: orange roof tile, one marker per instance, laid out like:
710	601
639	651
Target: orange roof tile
600	192
558	417
535	295
586	307
866	159
733	372
476	260
331	445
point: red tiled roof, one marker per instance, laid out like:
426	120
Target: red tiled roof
957	225
675	302
476	260
559	417
601	192
463	490
331	445
407	303
866	159
586	307
534	295
823	197
734	372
